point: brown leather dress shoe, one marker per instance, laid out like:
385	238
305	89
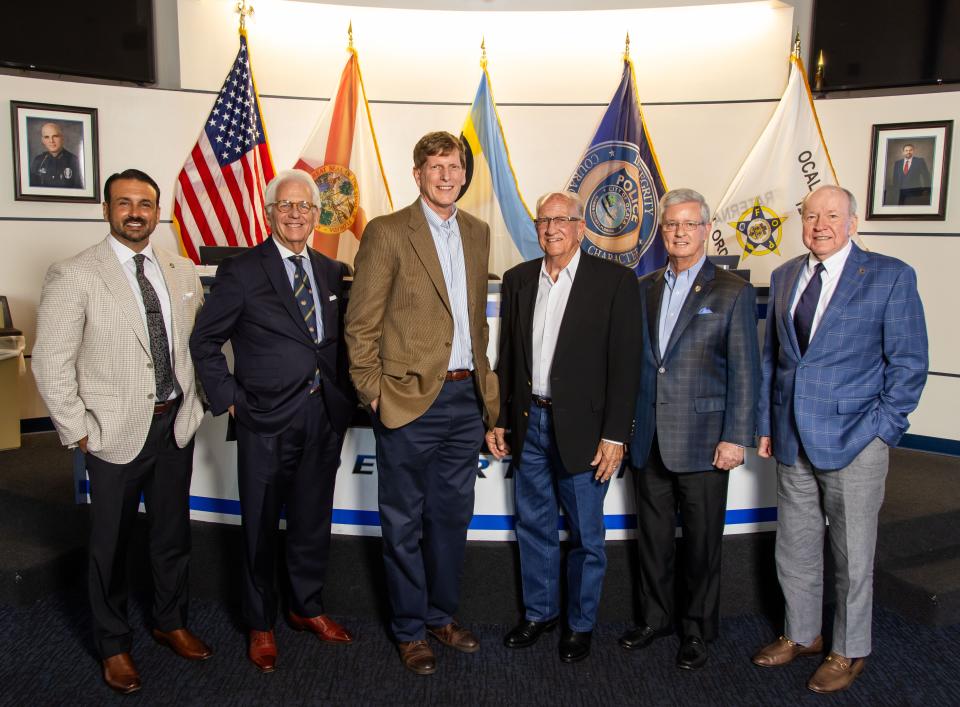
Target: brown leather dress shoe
323	626
121	674
418	657
836	673
183	643
783	651
455	636
262	650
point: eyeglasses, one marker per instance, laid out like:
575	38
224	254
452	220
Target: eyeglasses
546	221
285	206
685	226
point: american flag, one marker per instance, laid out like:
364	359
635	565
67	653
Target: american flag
219	191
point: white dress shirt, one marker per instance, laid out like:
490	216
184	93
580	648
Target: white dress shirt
153	273
832	268
547	314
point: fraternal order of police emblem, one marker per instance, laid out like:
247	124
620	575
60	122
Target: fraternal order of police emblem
339	198
759	230
620	201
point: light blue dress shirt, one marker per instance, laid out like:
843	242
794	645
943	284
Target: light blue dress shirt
675	291
291	269
446	239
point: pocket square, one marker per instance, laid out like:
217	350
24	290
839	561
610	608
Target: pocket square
332	297
187	296
705	310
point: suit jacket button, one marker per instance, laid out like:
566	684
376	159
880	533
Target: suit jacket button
662	370
526	414
439	378
149	396
149	366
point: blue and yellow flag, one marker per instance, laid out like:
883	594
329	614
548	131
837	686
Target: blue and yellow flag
491	192
620	183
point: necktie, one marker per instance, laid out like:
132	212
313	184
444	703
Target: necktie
806	308
906	166
303	293
159	347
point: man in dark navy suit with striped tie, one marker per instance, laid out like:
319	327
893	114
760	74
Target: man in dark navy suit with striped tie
280	305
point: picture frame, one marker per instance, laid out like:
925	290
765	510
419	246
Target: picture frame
56	154
909	169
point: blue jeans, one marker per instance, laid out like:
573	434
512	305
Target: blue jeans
539	480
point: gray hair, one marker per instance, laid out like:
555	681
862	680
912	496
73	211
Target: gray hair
291	175
685	196
851	199
567	196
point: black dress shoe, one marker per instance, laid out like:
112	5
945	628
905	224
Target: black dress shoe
641	637
526	633
692	654
574	645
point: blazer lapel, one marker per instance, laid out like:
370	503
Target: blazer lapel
699	290
423	246
277	275
653	299
328	308
850	280
167	268
526	302
475	266
116	281
785	296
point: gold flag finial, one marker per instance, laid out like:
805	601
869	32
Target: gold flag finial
483	53
818	75
796	44
626	48
245	10
350	36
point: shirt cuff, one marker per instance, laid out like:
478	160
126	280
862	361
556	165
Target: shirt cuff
611	441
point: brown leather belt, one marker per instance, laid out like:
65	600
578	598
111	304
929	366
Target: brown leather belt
541	402
459	374
163	407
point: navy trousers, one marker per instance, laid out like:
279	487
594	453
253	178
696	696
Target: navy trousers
296	469
426	472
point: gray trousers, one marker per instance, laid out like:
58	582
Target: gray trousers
850	499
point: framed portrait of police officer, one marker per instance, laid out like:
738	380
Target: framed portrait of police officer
55	153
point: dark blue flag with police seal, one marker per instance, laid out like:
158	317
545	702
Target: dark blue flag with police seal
619	180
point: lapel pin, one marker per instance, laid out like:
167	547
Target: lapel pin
697	288
862	270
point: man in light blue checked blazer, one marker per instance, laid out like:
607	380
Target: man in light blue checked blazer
844	363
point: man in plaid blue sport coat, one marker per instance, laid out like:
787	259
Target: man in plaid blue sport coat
844	363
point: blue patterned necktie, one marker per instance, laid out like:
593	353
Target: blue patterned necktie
807	308
303	293
159	347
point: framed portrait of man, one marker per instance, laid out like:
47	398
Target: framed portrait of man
55	153
908	172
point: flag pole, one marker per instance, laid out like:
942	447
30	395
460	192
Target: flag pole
350	37
626	48
483	53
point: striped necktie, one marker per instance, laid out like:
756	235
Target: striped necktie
303	293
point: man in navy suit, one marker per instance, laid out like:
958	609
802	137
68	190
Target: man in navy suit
911	179
844	363
700	375
280	305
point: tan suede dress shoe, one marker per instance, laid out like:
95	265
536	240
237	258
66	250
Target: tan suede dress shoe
121	674
418	657
836	673
783	651
455	636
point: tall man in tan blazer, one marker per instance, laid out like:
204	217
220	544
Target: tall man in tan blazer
416	333
112	364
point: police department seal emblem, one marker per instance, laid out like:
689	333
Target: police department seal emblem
339	198
759	230
620	201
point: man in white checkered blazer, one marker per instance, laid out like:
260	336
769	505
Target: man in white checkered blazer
844	363
112	364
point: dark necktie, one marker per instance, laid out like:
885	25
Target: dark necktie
159	347
303	293
807	308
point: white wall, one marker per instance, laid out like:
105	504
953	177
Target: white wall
552	76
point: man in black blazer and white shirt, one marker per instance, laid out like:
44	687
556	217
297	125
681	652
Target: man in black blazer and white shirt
569	348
